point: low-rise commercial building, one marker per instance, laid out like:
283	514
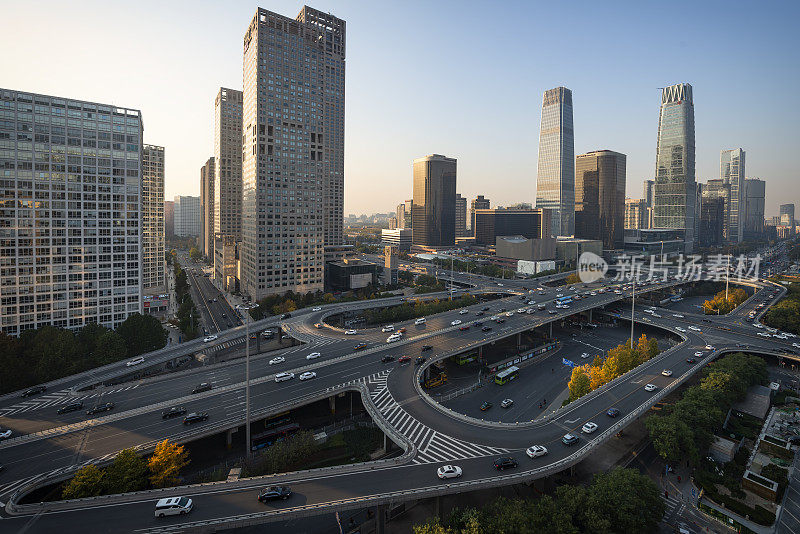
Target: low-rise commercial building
522	248
569	249
399	237
529	223
350	273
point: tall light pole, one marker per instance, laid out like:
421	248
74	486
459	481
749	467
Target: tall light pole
245	317
633	300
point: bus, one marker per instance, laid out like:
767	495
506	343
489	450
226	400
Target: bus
563	300
436	380
463	359
507	375
265	439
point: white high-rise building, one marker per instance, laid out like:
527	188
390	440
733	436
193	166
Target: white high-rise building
731	171
71	246
188	216
293	150
153	275
555	179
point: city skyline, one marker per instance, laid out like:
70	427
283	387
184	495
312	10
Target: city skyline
763	132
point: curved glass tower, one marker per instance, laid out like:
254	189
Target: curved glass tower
555	177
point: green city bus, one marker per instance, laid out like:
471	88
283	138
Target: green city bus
507	375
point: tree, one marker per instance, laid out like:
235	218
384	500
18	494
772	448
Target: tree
110	347
572	279
195	255
166	463
128	472
623	500
672	438
142	333
87	482
579	384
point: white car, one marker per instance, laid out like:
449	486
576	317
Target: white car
313	356
559	295
678	315
135	361
650	387
275	361
350	332
534	451
5	434
695	329
780	336
656	315
666	372
531	302
393	338
585	355
387	328
316	308
448	471
593	294
680	329
796	345
456	322
209	338
173	506
281	377
420	321
589	427
506	403
698	353
521	310
463	312
709	347
509	314
764	334
308	375
618	292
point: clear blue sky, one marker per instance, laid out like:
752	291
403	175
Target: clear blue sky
463	79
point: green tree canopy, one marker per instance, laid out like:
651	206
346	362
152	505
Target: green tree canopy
142	333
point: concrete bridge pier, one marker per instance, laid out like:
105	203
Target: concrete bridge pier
590	315
380	519
551	330
332	403
229	437
437	506
388	444
519	340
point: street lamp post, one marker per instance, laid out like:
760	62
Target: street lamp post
243	310
633	302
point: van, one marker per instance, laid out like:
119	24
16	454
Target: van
173	506
281	377
420	321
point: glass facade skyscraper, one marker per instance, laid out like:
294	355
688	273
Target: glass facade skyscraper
434	210
555	177
731	171
675	191
600	197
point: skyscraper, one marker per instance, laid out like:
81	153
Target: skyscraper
227	167
400	215
207	207
409	204
153	276
461	216
787	216
675	190
555	179
71	247
478	203
755	190
433	211
636	214
600	197
293	150
187	216
647	192
732	171
169	218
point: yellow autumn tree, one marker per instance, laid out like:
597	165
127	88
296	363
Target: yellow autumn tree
579	383
166	463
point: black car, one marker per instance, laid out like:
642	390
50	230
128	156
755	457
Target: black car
477	323
286	315
274	493
420	360
505	462
691	360
612	412
500	320
486	329
195	418
101	408
502	310
426	347
387	359
173	412
71	407
485	308
34	390
205	386
479	314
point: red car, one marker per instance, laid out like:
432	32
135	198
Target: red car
404	359
465	327
402	330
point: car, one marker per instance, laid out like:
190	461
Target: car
173	506
569	439
404	359
485	406
709	347
612	412
448	471
213	300
71	407
268	334
680	329
360	346
531	302
393	338
534	451
274	493
678	315
423	348
387	328
317	325
666	372
763	334
455	322
316	308
350	332
485	308
691	360
277	360
500	320
420	360
463	328
552	312
5	434
479	314
205	386
388	358
510	314
796	345
589	427
463	312
209	339
135	361
282	377
313	356
420	321
694	329
505	462
521	310
100	408
286	316
486	329
308	375
195	417
585	355
224	314
650	387
173	412
506	403
593	293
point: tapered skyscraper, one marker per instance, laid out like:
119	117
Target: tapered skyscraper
675	190
731	171
555	180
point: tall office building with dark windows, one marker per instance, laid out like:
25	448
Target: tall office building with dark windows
755	190
70	234
153	274
731	171
600	197
555	179
293	150
227	164
675	190
207	208
434	209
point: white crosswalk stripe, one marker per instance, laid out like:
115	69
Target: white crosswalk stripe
432	446
55	399
672	504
